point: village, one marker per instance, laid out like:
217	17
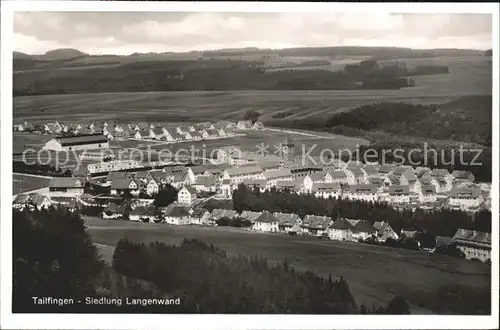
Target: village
126	189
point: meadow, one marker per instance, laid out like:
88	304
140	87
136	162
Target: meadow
375	274
24	183
468	76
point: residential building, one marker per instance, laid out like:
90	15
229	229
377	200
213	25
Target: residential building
152	187
73	186
326	190
293	186
176	214
244	125
364	192
340	230
142	213
258	125
238	174
315	225
200	216
266	222
384	231
82	142
428	194
362	230
385	169
218	214
288	223
273	176
113	166
123	186
465	198
474	244
370	170
207	183
339	176
312	179
462	176
408	178
226	190
399	194
250	216
356	174
186	195
98	155
113	211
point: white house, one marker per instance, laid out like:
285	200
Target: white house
474	244
288	223
337	177
122	186
427	194
399	194
66	185
364	192
326	190
266	222
340	230
167	136
258	125
384	231
152	187
85	142
244	125
186	195
273	176
237	174
465	198
311	179
315	225
362	230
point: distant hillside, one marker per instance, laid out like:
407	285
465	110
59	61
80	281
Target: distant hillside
52	55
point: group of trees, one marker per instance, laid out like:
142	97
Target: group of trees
166	196
439	222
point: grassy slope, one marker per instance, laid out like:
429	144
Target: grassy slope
374	274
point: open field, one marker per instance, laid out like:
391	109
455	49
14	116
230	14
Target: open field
375	274
23	183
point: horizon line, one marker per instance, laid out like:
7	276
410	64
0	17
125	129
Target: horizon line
254	48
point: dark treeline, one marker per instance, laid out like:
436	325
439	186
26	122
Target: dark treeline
39	169
456	121
209	75
439	222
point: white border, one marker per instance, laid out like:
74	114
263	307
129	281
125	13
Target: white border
68	321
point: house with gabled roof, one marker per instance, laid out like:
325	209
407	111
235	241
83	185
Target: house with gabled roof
176	214
218	214
258	125
143	213
362	230
200	216
40	201
364	192
117	175
293	186
465	198
255	184
273	176
152	187
186	195
238	174
391	180
408	178
326	190
473	244
338	176
340	230
462	176
399	194
206	183
400	169
156	133
427	194
385	170
312	179
288	223
384	231
244	125
356	174
74	186
209	133
250	216
370	170
266	222
315	225
113	211
121	186
20	201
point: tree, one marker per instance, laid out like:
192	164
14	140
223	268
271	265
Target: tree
398	305
52	257
251	115
166	196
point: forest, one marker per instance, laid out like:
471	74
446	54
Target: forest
438	222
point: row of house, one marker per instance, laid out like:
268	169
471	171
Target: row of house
142	130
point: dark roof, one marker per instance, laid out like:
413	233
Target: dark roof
386	168
399	170
223	213
274	174
206	180
355	169
364	188
121	183
254	183
117	175
266	217
409	176
323	186
342	224
370	169
65	182
461	174
115	208
471	236
316	221
465	193
428	189
286	219
21	199
81	139
177	211
399	190
337	174
190	189
250	215
439	172
364	226
198	212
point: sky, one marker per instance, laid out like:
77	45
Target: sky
129	32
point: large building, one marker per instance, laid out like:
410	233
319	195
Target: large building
473	244
82	142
